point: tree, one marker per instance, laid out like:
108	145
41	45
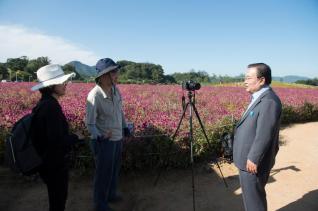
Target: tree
17	63
169	79
141	72
157	74
132	74
22	76
311	82
3	71
34	64
69	69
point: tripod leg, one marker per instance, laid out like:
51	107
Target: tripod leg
201	125
180	121
193	188
170	146
191	155
207	140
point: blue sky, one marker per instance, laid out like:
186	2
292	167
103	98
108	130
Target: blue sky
220	37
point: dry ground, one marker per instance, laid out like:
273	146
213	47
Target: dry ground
292	186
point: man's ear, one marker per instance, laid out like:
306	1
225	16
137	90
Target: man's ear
262	81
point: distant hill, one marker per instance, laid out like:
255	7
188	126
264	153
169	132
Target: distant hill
83	70
290	78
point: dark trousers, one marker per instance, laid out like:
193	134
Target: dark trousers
107	156
253	190
56	180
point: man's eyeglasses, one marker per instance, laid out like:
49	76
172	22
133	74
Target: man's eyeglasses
249	78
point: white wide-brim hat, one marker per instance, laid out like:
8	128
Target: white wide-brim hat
49	75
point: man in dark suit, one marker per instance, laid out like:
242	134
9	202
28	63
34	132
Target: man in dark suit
256	137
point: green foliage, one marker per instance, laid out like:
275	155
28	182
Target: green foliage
205	150
140	72
203	77
199	76
82	158
159	151
69	69
289	115
131	72
3	134
34	64
17	63
306	113
22	69
168	79
3	71
153	152
22	75
311	82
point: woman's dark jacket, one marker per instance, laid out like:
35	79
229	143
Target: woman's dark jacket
50	132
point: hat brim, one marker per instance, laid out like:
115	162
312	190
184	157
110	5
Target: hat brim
54	81
107	70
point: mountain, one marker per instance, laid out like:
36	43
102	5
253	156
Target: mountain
290	78
82	69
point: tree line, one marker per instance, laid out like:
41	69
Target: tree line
311	82
24	69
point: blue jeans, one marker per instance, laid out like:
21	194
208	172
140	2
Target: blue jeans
107	156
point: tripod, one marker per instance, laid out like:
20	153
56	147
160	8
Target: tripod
191	103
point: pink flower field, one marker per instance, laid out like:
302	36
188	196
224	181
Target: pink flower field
151	107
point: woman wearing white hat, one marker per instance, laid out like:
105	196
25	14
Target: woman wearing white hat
51	135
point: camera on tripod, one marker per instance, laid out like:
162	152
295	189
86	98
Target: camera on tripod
191	85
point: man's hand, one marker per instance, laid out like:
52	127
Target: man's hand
108	134
251	167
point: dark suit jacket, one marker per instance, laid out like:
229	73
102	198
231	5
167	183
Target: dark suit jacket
256	134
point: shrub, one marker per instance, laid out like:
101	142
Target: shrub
305	113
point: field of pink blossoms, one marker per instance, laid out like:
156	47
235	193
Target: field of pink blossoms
150	107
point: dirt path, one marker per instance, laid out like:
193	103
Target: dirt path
292	186
295	172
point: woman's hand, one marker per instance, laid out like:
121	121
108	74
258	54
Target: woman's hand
79	134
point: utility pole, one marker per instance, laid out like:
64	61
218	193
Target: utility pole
16	76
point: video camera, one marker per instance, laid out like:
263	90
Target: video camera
191	85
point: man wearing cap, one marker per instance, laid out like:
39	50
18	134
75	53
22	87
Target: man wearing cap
106	123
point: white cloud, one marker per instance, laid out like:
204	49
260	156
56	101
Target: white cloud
19	41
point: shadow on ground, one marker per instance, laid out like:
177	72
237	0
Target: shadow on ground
308	202
172	193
